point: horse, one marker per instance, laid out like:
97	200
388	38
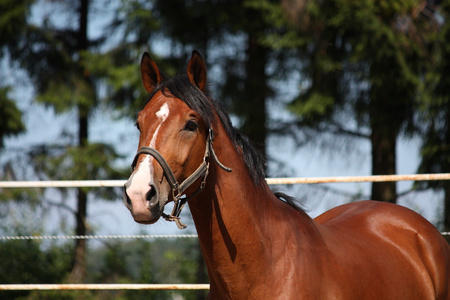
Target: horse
258	244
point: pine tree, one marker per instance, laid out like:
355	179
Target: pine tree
362	63
10	116
53	54
436	112
12	23
209	27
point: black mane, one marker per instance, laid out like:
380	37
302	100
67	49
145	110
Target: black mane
201	101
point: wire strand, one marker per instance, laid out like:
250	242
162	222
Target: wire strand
91	237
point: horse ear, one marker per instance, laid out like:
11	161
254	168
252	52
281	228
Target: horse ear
196	70
151	76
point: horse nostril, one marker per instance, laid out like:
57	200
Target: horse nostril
151	196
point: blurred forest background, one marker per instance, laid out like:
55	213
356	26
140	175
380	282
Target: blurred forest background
322	75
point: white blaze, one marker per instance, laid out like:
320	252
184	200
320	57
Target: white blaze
140	179
163	112
162	115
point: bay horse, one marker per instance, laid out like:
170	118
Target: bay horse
258	244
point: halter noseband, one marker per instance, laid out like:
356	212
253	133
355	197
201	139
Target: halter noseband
178	189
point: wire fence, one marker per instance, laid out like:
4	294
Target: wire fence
270	181
120	183
96	237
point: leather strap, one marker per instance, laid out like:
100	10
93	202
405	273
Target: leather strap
179	189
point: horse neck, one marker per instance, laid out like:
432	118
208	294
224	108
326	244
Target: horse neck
229	198
238	220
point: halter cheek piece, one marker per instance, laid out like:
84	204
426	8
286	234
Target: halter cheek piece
179	189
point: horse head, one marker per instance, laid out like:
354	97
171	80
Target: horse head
174	144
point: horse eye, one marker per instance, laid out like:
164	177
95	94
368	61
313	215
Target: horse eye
137	126
191	125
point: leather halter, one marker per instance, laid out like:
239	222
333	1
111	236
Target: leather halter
178	189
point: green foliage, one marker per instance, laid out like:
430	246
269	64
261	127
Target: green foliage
363	63
29	196
10	116
358	57
50	55
315	106
435	107
138	19
136	261
281	34
93	161
140	261
62	95
12	22
26	262
119	72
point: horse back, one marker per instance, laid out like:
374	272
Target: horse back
384	233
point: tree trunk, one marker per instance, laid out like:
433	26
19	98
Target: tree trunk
447	210
78	272
255	125
383	163
79	260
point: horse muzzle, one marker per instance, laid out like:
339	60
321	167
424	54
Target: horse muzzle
145	205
